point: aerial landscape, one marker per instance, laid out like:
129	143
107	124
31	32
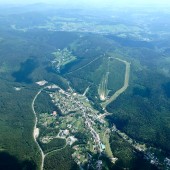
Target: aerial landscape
85	85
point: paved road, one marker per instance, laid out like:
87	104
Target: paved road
35	136
35	127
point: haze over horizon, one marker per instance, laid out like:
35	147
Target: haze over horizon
97	3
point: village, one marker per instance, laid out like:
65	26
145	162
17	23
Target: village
75	120
83	128
76	108
61	58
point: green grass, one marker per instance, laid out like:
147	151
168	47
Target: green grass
54	144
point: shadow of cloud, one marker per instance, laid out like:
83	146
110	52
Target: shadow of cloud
9	162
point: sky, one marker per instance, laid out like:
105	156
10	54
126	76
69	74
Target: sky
89	2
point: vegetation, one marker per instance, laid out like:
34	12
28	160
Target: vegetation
141	112
127	156
62	159
27	41
26	61
8	162
54	144
44	104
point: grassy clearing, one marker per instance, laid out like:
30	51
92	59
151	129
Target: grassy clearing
102	90
124	87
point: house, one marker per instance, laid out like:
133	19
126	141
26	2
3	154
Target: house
54	113
103	147
66	132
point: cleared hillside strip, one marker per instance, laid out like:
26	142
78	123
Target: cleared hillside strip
123	88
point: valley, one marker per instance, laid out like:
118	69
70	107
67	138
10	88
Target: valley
84	89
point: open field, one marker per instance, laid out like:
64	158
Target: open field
122	89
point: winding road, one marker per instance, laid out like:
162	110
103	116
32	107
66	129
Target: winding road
35	128
35	134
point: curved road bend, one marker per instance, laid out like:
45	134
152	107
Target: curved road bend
35	128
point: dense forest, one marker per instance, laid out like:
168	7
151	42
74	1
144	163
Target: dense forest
142	111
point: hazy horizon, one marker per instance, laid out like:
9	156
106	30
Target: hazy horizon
97	3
